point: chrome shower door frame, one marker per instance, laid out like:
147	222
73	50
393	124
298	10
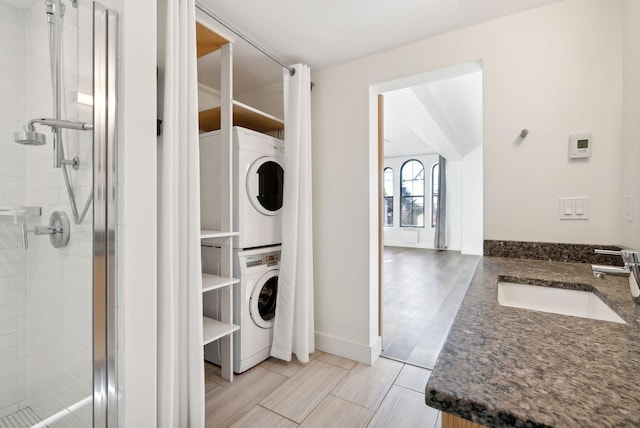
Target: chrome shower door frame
105	390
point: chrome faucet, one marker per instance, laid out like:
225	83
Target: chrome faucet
631	259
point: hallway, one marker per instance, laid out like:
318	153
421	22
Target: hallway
422	291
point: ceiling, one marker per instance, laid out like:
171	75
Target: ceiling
443	116
330	32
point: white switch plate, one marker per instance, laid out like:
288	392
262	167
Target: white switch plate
628	207
574	208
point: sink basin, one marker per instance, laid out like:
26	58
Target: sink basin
556	300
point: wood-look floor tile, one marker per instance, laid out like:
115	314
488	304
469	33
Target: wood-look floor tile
336	412
285	368
301	393
422	291
258	416
212	373
367	385
235	399
412	377
404	408
336	361
210	386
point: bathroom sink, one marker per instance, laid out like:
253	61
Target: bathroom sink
556	300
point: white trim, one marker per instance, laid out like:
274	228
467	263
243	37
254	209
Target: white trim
366	354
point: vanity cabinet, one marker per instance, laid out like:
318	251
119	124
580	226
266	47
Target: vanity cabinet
452	421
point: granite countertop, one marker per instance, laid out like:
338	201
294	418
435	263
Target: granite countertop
506	367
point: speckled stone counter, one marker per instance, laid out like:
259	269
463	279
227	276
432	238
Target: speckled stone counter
510	367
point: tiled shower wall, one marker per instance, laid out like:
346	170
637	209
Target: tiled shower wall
45	304
60	279
13	280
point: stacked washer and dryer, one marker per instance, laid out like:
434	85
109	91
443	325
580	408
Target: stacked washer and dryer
257	177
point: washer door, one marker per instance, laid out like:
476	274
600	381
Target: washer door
264	185
262	304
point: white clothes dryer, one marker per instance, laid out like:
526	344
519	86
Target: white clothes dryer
258	176
254	299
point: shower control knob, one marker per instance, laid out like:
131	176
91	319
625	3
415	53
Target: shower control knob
59	223
58	231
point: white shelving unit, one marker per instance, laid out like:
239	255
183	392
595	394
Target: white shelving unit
214	330
212	282
217	227
217	319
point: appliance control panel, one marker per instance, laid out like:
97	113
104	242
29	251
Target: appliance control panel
268	259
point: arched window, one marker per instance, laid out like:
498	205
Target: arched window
435	186
412	194
387	178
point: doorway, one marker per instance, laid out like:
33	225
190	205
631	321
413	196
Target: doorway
430	122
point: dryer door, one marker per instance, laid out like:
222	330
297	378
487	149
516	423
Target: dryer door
264	185
262	304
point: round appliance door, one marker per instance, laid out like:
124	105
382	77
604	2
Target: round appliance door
264	185
262	304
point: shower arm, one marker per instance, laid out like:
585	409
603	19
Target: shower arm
56	124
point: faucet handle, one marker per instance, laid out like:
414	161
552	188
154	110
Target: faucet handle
630	257
608	252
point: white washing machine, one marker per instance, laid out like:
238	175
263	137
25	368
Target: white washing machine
258	175
254	303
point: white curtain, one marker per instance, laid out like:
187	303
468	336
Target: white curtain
180	388
293	328
440	238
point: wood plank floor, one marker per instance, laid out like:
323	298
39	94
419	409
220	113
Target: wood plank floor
328	391
422	291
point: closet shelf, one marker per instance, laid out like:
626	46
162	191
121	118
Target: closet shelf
207	41
244	116
214	329
213	282
207	233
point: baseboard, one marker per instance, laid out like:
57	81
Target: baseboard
472	250
366	354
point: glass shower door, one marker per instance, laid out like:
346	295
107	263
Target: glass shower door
48	201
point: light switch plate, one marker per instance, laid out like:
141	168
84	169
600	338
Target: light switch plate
628	207
574	208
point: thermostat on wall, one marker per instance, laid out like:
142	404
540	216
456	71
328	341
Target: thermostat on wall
579	145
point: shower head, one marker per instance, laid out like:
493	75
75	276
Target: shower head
29	138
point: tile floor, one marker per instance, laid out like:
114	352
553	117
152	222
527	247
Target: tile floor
23	418
329	391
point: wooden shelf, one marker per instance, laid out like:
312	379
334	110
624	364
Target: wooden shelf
207	41
244	116
214	329
213	282
206	234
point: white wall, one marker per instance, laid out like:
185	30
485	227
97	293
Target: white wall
268	99
542	71
631	124
137	216
13	278
472	216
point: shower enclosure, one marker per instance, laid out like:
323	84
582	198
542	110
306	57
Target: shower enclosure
57	213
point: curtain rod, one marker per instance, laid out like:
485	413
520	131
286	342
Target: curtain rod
292	71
